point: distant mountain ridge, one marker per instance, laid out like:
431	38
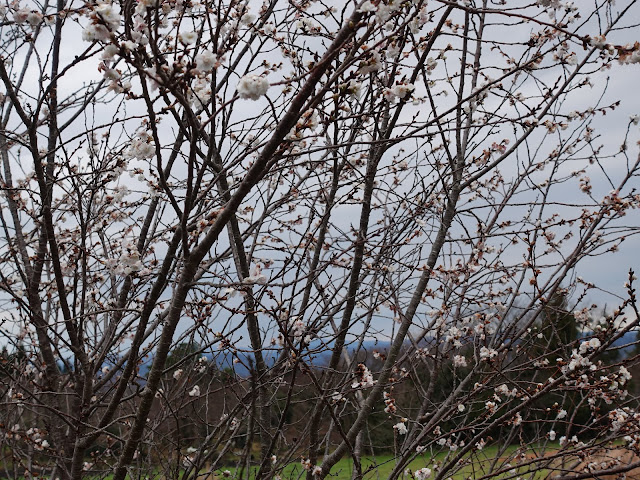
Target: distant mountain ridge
225	360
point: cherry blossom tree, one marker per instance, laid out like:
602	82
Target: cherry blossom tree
253	239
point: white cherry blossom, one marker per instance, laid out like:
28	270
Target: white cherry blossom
252	87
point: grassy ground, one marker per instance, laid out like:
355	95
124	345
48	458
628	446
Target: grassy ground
379	467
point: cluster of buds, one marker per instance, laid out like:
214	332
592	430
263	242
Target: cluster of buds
390	403
364	377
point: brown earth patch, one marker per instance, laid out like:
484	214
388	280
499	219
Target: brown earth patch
606	464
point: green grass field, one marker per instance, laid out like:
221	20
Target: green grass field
379	467
490	459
